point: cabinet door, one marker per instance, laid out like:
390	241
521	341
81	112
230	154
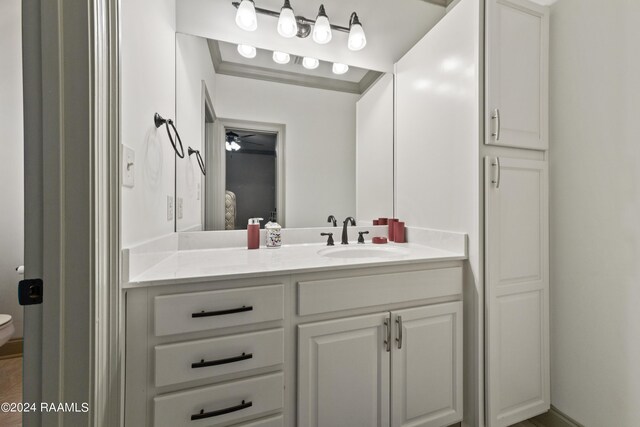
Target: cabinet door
517	75
516	289
426	366
343	373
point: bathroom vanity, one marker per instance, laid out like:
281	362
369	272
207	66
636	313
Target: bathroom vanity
304	335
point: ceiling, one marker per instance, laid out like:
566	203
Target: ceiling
391	26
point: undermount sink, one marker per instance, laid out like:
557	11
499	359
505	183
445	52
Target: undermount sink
356	252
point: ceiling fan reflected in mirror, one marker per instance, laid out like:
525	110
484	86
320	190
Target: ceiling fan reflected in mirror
234	140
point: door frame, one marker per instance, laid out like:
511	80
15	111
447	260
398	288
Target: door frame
216	181
72	209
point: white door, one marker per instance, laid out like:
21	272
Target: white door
517	289
426	366
517	75
343	373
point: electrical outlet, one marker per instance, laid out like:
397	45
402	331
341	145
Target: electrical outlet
179	207
128	167
169	208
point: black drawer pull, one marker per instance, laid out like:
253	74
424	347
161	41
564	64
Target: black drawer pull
222	312
203	415
203	364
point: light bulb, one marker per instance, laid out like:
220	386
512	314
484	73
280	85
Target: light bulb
357	39
281	57
287	26
310	63
322	28
247	51
339	68
235	146
246	16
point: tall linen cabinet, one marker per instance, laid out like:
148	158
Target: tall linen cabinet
471	130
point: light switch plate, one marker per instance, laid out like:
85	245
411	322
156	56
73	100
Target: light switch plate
179	207
169	208
128	167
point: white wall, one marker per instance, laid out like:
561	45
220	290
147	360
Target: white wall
11	161
595	211
437	157
193	66
147	86
319	147
374	151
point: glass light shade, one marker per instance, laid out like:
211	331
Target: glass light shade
322	30
287	26
339	68
310	63
357	39
235	146
246	16
281	57
247	51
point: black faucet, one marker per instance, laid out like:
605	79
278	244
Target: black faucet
345	237
330	239
361	237
332	219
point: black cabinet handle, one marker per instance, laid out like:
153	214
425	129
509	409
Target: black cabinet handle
202	415
222	312
203	364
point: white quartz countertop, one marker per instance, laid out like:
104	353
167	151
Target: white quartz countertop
199	265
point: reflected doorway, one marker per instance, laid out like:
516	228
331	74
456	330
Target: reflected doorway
250	176
247	179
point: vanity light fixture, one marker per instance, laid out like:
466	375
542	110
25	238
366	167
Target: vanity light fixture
322	27
290	25
281	57
339	68
310	63
287	26
247	51
246	15
357	39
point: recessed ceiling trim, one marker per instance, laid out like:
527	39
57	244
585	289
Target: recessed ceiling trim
214	52
266	74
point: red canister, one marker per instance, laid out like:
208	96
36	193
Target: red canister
391	222
398	232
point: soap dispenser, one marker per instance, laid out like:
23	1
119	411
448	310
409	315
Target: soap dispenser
253	233
274	233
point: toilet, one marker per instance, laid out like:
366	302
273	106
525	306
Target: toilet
6	328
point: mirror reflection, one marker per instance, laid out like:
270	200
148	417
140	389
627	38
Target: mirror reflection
279	136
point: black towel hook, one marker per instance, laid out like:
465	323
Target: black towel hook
199	158
159	121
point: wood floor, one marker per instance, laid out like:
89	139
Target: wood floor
11	389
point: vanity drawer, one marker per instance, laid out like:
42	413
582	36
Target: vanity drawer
323	296
276	421
220	404
198	311
193	360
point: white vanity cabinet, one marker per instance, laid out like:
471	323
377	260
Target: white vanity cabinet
517	76
517	289
206	354
376	346
344	372
396	367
